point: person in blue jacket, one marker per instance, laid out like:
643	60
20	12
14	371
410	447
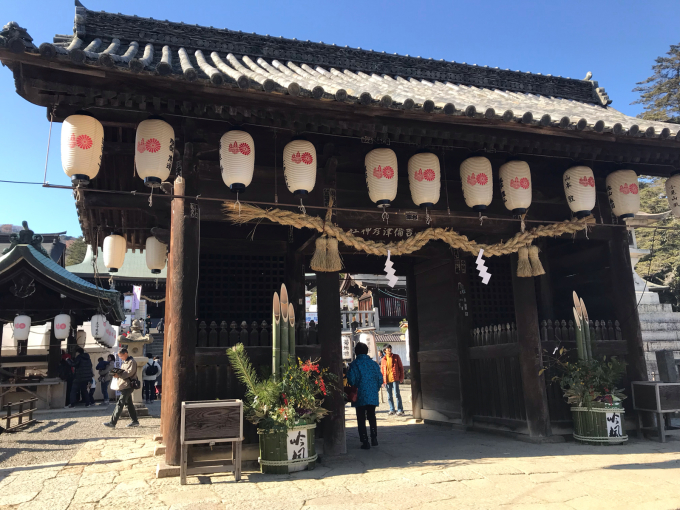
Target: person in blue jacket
365	375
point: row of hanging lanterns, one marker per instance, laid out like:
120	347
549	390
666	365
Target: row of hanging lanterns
115	247
22	326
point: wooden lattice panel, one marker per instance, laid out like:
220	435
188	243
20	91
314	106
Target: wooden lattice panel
238	287
492	303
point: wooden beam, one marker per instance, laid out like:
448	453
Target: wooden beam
328	299
530	354
625	303
53	354
414	344
181	306
494	351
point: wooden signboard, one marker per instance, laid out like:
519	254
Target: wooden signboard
210	422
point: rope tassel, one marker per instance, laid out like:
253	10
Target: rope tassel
333	262
318	262
536	266
523	265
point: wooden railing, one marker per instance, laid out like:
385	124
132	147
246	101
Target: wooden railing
564	331
257	335
365	318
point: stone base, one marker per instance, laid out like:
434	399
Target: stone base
158	438
164	470
158	450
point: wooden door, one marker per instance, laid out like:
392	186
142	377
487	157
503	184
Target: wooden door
437	300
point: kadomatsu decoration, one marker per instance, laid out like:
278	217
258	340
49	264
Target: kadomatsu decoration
286	405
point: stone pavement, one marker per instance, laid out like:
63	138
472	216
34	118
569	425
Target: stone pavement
416	466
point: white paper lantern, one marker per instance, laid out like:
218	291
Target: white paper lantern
515	179
673	193
299	166
381	176
154	150
114	252
424	178
477	179
82	143
62	326
98	326
623	193
579	188
237	159
22	327
155	255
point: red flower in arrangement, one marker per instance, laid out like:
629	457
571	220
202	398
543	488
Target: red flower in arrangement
482	179
388	172
472	179
233	148
418	176
378	172
307	158
244	149
153	145
624	189
524	183
429	175
141	146
514	183
633	189
296	158
84	142
72	141
285	400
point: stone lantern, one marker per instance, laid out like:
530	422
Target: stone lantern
134	343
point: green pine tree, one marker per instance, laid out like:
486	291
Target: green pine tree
661	265
75	253
660	93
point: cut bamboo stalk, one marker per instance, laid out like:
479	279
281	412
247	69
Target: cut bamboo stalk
586	332
579	338
284	328
276	337
291	332
577	306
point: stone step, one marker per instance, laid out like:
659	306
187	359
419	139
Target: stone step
649	308
660	317
659	326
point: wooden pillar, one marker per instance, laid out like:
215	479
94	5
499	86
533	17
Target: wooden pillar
53	354
625	303
167	367
414	343
530	354
463	326
179	359
545	292
328	301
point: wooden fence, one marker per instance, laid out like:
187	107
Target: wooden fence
257	335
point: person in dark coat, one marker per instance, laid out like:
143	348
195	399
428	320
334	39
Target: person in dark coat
82	376
365	375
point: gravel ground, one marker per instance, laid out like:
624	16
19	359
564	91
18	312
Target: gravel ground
59	433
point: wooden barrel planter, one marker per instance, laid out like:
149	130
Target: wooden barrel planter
601	424
286	452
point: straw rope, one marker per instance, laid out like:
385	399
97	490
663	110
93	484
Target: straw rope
521	239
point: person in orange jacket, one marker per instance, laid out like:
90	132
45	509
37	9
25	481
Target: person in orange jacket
393	374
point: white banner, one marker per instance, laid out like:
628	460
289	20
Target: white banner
614	428
136	296
297	448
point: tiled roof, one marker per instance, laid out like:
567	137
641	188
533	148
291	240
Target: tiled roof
134	266
225	58
389	337
55	272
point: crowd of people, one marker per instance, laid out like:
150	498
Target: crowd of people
81	381
365	377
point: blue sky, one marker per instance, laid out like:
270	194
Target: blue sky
616	40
